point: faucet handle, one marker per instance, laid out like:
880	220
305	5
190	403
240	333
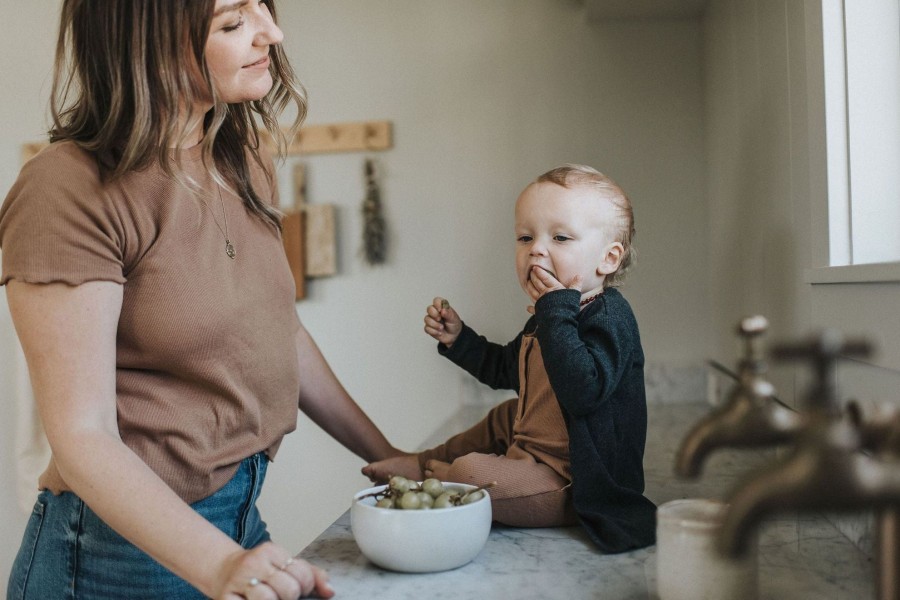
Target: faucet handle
753	326
823	351
751	329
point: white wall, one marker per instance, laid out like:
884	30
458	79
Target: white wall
27	45
483	97
757	167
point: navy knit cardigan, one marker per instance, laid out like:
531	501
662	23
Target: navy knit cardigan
595	364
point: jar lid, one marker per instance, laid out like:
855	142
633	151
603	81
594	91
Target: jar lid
700	513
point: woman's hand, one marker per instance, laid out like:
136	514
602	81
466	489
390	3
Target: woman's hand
406	464
268	572
437	469
442	322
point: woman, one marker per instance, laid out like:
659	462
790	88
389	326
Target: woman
149	289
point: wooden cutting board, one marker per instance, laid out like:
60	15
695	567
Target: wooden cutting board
319	239
321	251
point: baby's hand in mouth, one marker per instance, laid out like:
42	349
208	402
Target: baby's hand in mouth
543	280
536	267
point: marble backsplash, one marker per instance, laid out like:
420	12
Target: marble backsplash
667	384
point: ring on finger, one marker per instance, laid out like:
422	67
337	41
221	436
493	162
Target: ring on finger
286	564
253	582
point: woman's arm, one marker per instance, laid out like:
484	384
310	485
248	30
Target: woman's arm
324	400
68	334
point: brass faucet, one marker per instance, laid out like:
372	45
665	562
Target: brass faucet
750	417
827	468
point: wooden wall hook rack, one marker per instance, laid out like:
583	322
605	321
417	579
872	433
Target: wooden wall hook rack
364	136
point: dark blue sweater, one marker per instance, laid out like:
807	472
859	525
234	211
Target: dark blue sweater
595	364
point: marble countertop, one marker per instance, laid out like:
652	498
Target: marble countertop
800	556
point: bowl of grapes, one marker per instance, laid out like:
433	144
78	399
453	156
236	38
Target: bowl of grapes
421	526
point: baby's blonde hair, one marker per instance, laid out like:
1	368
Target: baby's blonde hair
570	175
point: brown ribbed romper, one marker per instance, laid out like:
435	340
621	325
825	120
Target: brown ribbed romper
523	445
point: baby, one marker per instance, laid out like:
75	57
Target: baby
570	447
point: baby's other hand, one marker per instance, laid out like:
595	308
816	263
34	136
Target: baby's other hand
381	471
442	322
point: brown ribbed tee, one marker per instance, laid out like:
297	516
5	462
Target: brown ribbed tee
206	361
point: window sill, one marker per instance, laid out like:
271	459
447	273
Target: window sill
873	273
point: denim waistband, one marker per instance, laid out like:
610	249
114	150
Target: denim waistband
68	552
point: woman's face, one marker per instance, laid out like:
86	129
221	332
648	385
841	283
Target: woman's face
237	49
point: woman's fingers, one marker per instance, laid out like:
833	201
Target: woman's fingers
268	572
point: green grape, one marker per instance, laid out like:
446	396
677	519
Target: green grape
472	497
400	484
445	500
403	493
426	500
410	501
433	486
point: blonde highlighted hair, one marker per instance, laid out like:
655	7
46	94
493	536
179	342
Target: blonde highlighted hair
127	72
571	175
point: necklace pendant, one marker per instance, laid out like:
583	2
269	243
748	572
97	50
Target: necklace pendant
229	249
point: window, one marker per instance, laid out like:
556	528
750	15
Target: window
862	100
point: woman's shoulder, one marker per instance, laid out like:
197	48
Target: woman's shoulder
63	166
61	156
60	190
57	223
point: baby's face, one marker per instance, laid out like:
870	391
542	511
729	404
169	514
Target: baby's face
565	231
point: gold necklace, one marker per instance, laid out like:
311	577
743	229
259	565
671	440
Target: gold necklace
229	247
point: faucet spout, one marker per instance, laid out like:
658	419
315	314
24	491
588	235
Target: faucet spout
752	418
806	480
828	467
772	490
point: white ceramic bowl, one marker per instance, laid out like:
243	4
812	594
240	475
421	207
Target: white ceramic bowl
420	541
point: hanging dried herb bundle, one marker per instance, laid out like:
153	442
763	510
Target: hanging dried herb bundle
374	238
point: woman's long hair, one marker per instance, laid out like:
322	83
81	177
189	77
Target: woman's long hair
124	84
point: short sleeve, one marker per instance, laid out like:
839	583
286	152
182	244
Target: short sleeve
58	224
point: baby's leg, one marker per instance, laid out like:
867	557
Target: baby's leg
491	435
382	470
527	493
494	433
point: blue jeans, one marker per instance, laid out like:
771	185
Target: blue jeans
67	552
